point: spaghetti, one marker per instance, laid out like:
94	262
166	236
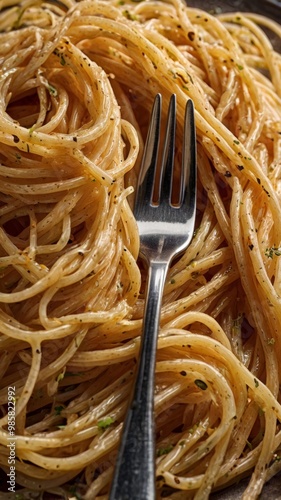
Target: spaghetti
77	82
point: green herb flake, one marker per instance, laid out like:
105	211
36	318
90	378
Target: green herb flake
270	252
74	493
129	16
60	377
105	423
60	55
201	384
52	90
62	60
58	409
165	450
256	382
31	130
191	430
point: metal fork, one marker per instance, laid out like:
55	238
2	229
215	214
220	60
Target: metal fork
165	230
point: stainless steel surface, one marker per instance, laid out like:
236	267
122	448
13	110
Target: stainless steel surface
165	230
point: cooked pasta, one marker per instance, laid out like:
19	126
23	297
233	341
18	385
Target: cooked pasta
77	82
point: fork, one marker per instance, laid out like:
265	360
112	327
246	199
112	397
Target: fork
165	230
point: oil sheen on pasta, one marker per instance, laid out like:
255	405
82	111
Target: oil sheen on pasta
77	82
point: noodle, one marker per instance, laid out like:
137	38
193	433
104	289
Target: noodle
77	82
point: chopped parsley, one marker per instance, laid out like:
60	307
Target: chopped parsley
105	423
270	252
58	409
165	450
73	491
53	91
60	376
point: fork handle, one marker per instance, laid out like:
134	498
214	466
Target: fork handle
134	476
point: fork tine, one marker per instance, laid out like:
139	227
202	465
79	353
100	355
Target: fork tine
148	167
166	174
188	178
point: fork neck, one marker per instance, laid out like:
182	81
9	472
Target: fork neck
157	251
157	272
